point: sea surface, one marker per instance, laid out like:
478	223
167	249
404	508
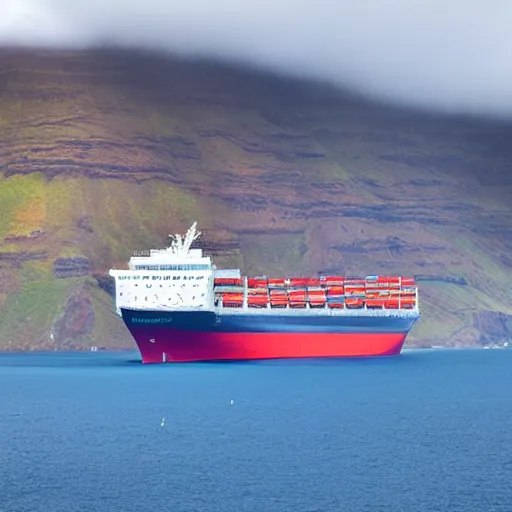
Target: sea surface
428	431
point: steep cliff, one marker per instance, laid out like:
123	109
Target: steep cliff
102	153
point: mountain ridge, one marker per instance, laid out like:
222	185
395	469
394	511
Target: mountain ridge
102	153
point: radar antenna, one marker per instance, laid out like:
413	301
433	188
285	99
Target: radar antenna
180	245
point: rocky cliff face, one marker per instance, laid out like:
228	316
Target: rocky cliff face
102	153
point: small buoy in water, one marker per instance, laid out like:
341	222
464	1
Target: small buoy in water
232	402
162	423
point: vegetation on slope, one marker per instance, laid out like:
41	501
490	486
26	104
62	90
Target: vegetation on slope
104	153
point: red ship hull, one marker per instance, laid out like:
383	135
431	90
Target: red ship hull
186	346
205	336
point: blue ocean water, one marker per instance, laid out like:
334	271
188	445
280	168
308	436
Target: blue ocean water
429	431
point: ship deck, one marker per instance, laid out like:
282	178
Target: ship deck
292	312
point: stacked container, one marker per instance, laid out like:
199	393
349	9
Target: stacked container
335	292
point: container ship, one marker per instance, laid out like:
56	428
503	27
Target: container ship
179	307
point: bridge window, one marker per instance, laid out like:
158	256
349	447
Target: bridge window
186	266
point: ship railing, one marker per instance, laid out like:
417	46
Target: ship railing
402	313
307	305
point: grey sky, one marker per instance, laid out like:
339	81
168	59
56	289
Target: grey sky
448	54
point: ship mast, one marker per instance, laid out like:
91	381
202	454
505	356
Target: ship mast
180	245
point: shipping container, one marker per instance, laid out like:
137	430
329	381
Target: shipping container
354	290
355	282
407	281
278	303
334	280
278	293
297	295
257	291
277	283
228	281
232	299
374	303
257	282
376	294
296	282
257	301
353	303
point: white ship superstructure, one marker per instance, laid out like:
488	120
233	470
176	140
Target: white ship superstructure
177	277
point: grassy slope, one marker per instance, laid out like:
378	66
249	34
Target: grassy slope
101	154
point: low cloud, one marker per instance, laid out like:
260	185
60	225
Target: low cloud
451	55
